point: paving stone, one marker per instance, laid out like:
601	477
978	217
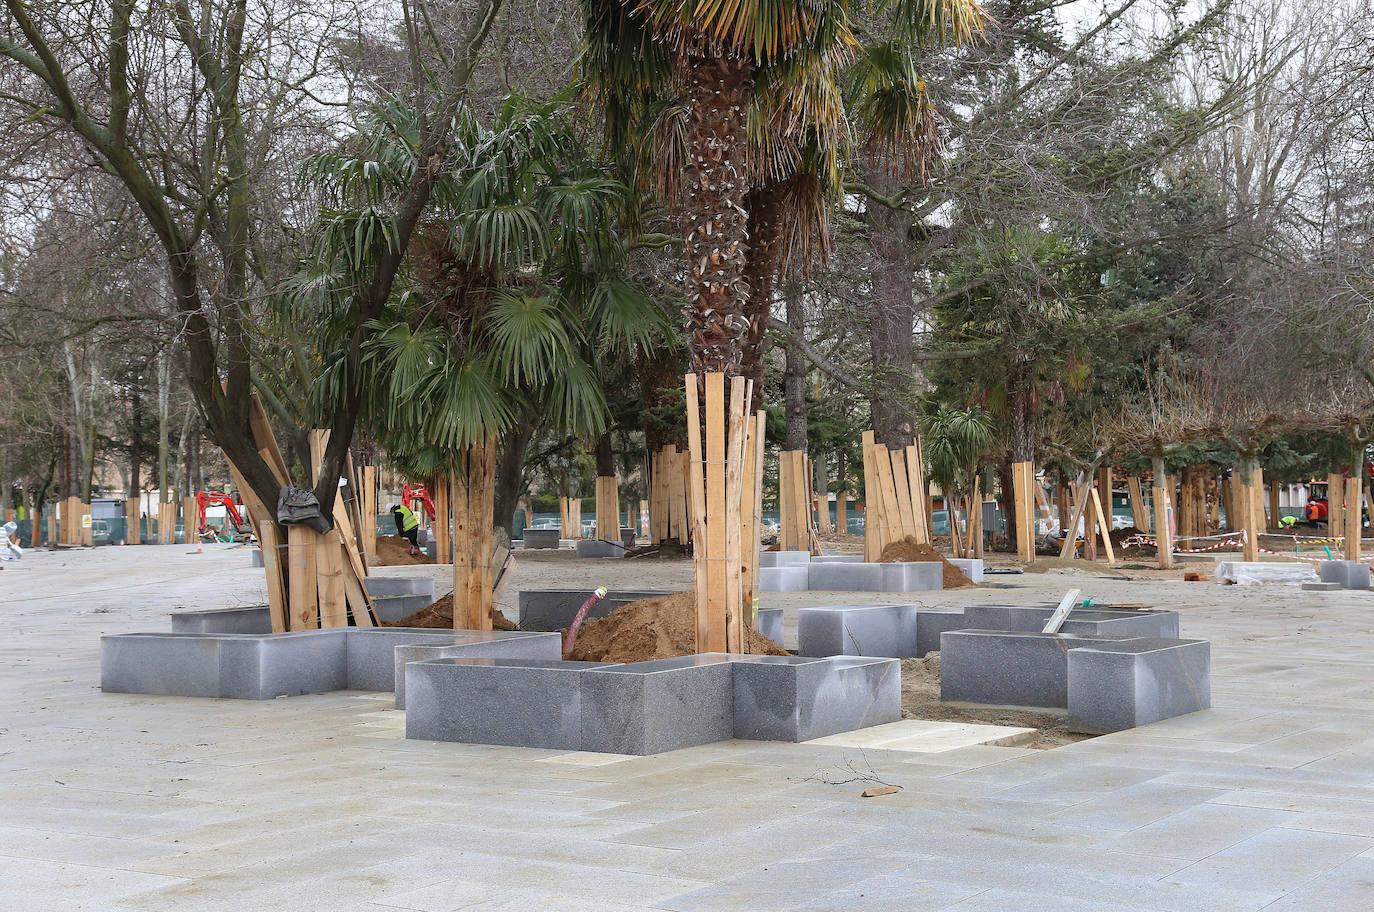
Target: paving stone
768	621
793	698
541	538
1115	686
554	609
1322	587
475	644
791	578
769	559
887	631
521	702
656	706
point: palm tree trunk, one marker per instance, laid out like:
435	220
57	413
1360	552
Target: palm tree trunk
717	87
764	207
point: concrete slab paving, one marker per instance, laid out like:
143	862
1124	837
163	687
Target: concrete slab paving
133	802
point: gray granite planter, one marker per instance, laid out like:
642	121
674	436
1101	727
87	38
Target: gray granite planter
769	623
1013	668
1116	686
769	559
472	644
929	626
554	609
252	619
518	702
386	586
790	698
886	631
651	707
595	548
541	538
794	578
915	576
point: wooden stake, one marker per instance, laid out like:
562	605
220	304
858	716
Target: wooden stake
873	536
1022	477
1354	520
734	484
132	533
1138	515
696	505
1104	526
716	516
1335	505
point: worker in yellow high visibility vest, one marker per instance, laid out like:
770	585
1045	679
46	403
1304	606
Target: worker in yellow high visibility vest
407	526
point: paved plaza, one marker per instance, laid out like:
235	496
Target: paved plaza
119	802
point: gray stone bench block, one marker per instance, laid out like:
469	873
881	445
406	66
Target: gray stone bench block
253	619
1350	574
769	559
794	578
255	559
233	665
929	626
263	666
1013	668
472	644
542	538
912	576
592	548
554	609
656	706
518	702
790	698
972	567
769	623
1083	621
386	586
886	631
393	608
1116	686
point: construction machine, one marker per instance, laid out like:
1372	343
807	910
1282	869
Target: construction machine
411	493
235	524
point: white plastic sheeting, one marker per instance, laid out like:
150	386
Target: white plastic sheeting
1292	574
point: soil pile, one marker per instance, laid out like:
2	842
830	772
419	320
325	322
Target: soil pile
908	549
652	628
391	552
440	615
921	700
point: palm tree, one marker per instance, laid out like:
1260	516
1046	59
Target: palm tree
514	296
745	105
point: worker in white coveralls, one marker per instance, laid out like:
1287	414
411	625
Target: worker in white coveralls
9	542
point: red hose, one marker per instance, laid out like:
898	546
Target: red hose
581	615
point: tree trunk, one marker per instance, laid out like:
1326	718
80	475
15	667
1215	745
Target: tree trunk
1008	486
164	385
892	317
716	228
794	377
764	208
510	476
1020	408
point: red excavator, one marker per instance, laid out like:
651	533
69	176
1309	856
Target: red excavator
239	528
411	493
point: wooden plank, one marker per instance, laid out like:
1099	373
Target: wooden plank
1163	538
1104	527
842	512
369	529
270	541
1335	505
872	534
754	542
887	485
132	516
266	441
786	536
906	519
749	553
355	595
696	505
1021	475
463	614
330	579
916	482
1080	506
717	581
1138	517
734	485
302	577
1354	521
975	517
1257	489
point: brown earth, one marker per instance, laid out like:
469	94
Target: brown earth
391	552
921	700
652	628
908	549
440	615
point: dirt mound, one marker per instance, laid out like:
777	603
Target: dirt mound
391	552
908	549
652	628
440	615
